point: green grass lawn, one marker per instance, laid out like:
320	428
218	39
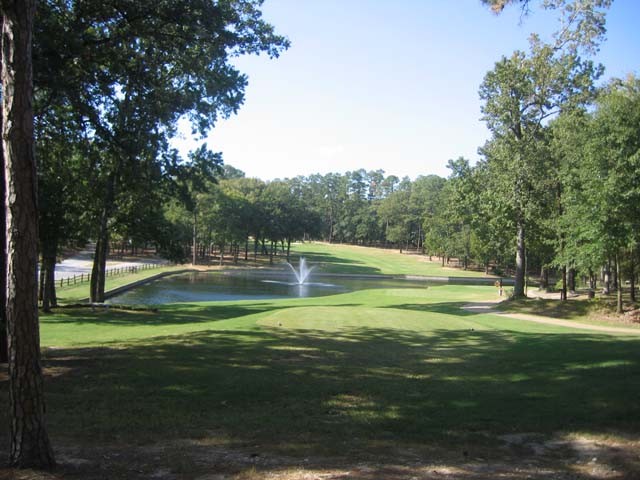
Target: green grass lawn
363	376
369	371
330	258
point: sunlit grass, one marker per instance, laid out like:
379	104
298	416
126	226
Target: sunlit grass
331	258
383	368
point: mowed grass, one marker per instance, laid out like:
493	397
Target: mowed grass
369	376
331	258
355	375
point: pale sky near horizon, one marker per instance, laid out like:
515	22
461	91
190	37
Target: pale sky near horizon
383	84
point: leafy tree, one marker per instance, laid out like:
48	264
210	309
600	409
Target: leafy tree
191	178
131	69
582	22
252	217
395	218
601	202
519	95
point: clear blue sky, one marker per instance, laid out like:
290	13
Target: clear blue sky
384	84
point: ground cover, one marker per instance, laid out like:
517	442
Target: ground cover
385	383
351	259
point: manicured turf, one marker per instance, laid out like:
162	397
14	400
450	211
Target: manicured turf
331	258
363	375
369	371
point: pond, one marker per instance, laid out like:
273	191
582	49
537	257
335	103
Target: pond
215	286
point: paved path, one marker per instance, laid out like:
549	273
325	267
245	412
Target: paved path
82	262
487	307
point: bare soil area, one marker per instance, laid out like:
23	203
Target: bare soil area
520	456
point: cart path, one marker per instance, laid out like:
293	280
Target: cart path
487	307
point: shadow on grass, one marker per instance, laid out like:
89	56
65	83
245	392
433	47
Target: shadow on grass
549	307
359	390
360	393
447	308
173	314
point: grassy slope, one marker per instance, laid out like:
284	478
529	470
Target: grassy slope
366	260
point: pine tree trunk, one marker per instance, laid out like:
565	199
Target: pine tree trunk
4	352
30	446
518	288
563	290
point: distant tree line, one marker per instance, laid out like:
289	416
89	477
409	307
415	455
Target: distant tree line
579	190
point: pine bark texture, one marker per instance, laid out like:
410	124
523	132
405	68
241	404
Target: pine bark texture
4	351
30	446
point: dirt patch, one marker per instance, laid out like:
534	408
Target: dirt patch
518	456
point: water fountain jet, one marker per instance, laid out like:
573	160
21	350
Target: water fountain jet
303	271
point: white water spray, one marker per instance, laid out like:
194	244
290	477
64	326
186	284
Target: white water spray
303	271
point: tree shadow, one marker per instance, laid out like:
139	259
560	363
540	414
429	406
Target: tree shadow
277	382
447	308
364	392
326	263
